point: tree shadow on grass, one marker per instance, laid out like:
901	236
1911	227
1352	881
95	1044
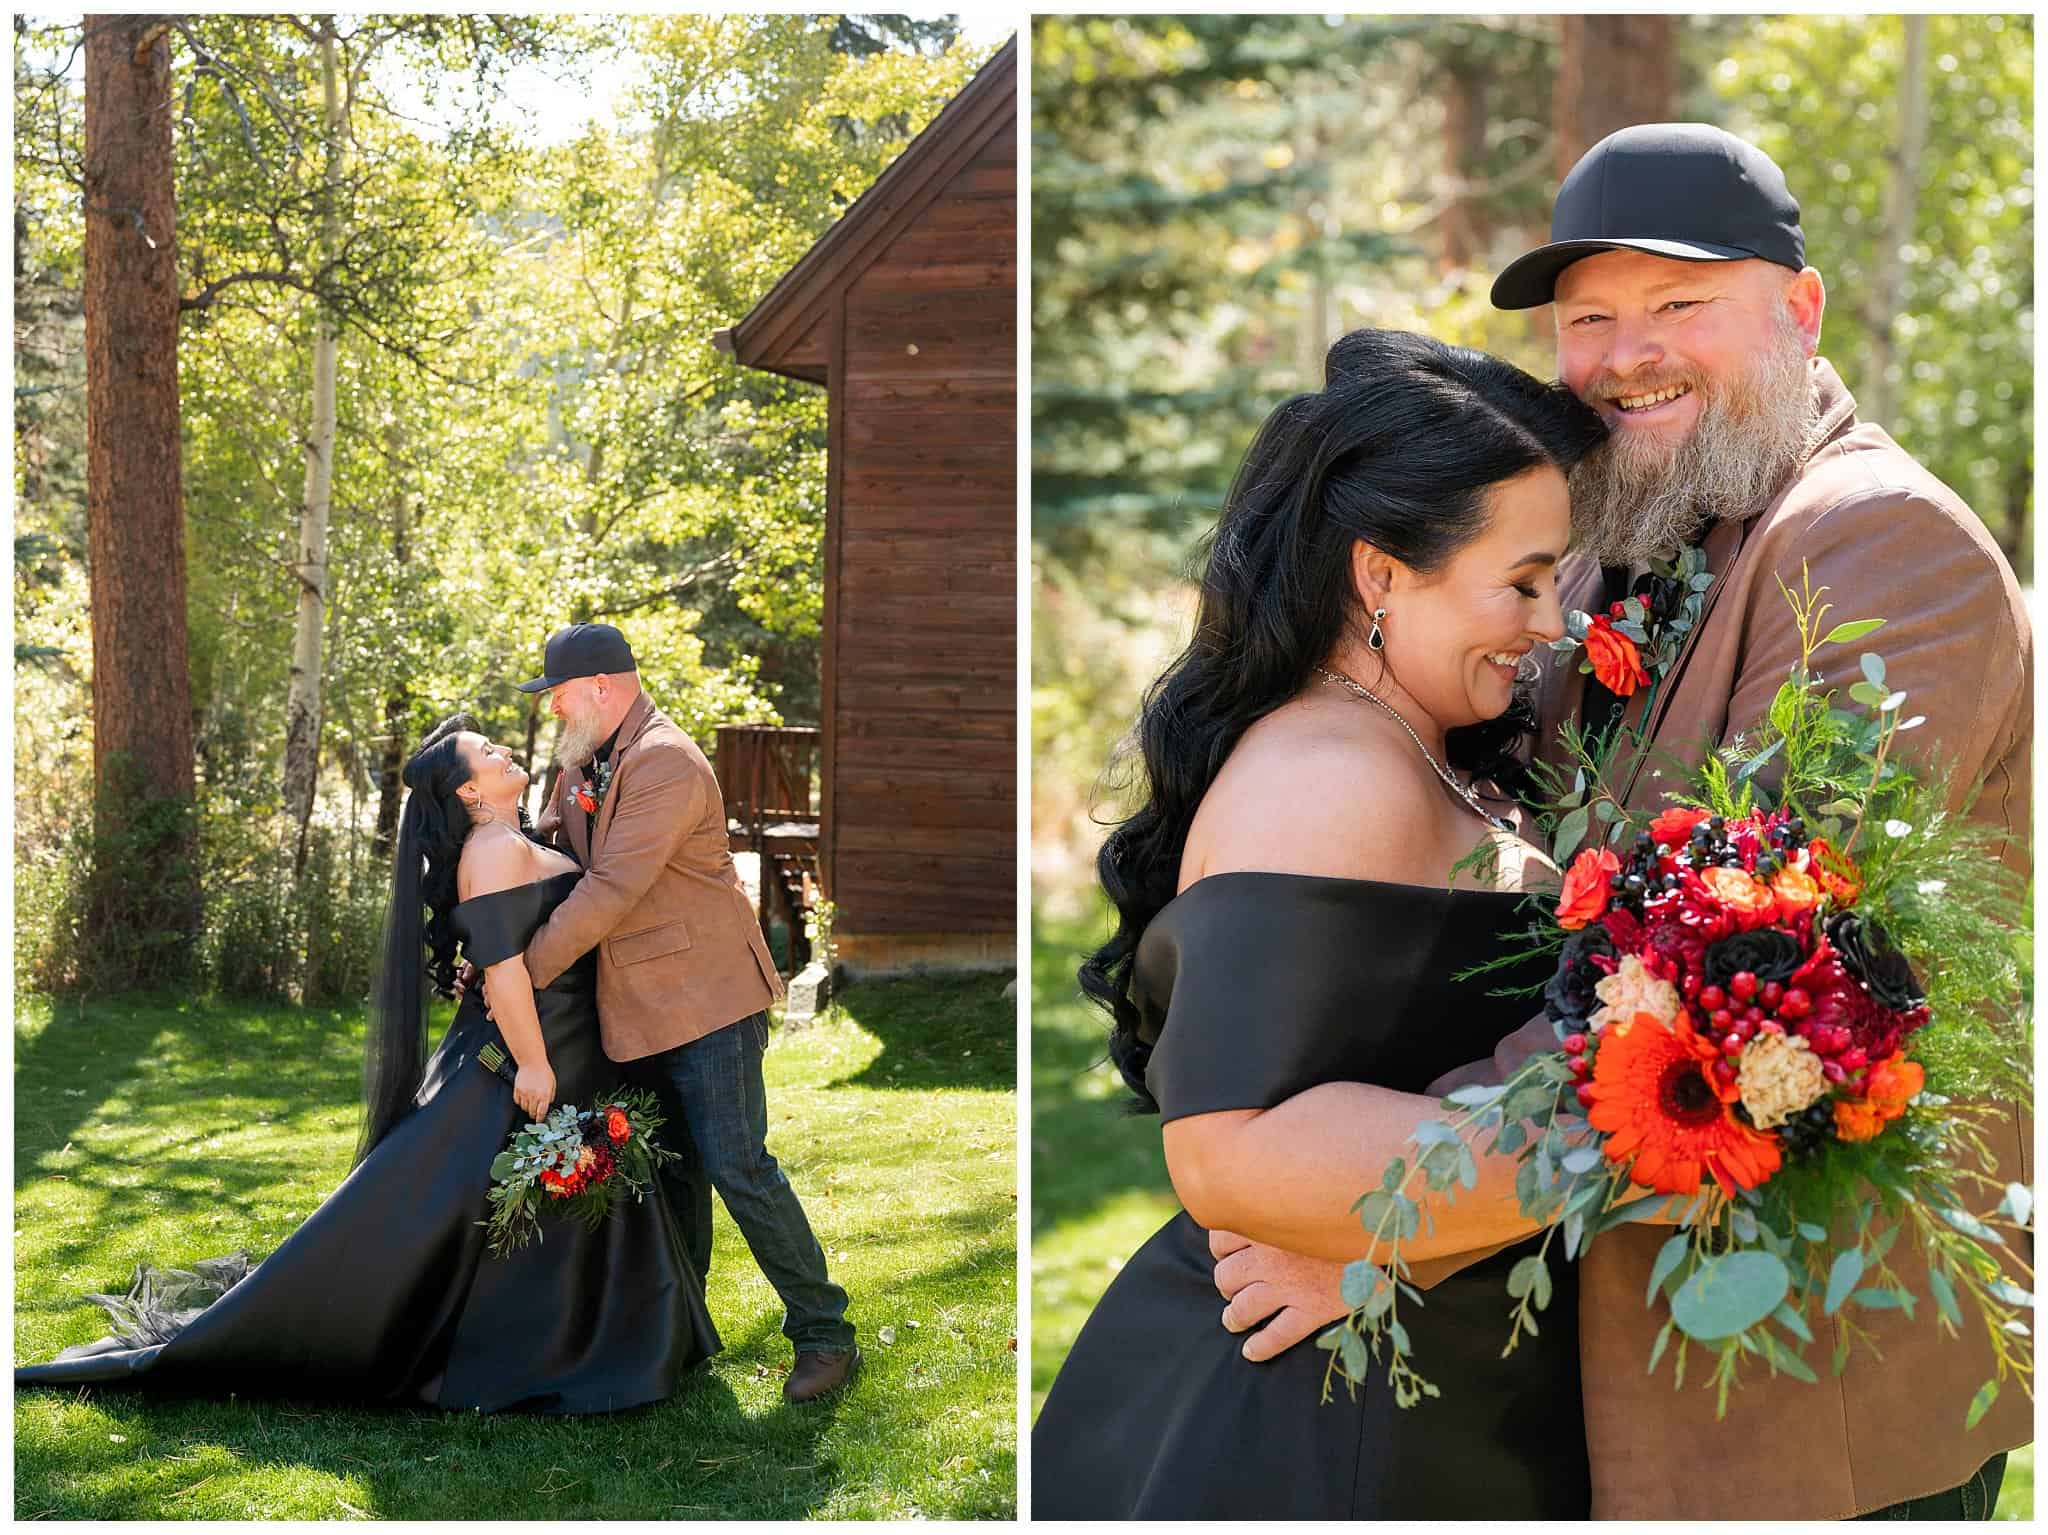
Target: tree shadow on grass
936	1031
162	1052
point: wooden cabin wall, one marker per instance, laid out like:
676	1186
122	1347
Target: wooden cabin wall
921	580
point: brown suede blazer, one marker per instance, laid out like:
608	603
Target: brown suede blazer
1889	541
680	954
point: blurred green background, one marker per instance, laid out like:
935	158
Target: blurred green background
1216	198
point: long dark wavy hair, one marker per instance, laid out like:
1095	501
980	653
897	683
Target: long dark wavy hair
419	943
1398	449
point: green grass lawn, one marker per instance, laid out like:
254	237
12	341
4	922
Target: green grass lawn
1098	1178
173	1131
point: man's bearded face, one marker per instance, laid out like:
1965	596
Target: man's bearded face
1700	370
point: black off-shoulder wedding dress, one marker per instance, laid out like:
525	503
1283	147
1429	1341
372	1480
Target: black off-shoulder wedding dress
387	1295
1257	987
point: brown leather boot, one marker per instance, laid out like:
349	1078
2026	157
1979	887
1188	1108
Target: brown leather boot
818	1371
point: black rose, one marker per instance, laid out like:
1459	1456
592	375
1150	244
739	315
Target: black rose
1766	953
1867	953
1661	596
1569	995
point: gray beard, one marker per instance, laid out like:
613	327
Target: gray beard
577	742
1634	500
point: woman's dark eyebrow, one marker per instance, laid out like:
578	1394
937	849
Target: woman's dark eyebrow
1541	557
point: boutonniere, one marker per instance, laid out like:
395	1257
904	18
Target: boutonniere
585	800
1635	643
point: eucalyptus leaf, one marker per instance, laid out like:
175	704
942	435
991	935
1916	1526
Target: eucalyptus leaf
1944	1297
1788	1317
1657	1352
1669	1256
1981	1404
1362	1280
1872	666
1850	633
1969	1225
1728	1294
1842	1276
1476	1095
1571	831
1351	1349
1397	1169
1375	1211
2017	1203
1783	1358
1522	1277
1433	1132
1582	1159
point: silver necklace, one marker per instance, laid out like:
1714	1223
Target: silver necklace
1498	823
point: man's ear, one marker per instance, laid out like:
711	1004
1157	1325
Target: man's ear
1807	297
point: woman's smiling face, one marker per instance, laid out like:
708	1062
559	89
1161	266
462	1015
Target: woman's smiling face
1455	638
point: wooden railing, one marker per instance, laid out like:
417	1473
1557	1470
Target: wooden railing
769	777
768	774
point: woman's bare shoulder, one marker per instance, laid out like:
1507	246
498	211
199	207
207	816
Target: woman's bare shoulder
1306	792
494	858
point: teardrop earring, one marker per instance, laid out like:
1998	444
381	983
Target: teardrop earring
1376	640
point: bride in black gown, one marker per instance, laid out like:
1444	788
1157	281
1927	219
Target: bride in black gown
386	1293
1290	921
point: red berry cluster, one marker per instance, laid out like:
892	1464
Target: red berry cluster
1695	895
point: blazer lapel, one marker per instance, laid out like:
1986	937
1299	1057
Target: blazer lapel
1561	694
1723	545
575	821
629	732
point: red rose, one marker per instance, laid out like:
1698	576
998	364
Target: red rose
617	1125
1585	887
1616	662
1674	827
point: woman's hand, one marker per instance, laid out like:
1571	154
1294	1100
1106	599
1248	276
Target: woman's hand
1300	1295
533	1089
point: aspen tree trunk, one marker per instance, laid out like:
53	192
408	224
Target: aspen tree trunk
1877	395
302	703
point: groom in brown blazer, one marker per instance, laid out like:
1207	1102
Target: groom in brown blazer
684	978
1686	314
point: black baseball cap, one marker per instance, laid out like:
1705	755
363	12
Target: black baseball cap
1690	191
582	650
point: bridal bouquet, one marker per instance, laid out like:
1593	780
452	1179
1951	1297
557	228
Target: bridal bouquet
577	1163
1780	1021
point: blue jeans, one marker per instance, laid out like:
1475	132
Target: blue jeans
717	1111
1975	1499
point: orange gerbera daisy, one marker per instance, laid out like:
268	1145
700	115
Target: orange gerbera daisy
1655	1097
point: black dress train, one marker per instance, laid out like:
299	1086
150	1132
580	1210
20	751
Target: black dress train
1257	987
386	1293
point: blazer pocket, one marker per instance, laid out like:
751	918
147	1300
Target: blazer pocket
647	943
